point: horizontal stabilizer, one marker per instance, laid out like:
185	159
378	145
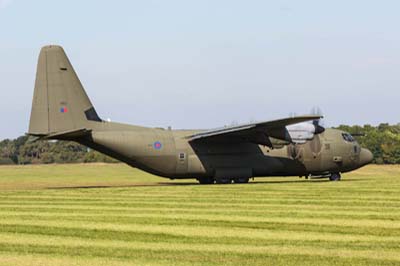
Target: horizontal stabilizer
65	135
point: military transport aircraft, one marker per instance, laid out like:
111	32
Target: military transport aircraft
294	146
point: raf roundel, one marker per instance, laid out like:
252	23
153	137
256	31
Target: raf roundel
63	110
157	145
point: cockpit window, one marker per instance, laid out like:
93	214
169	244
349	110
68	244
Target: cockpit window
348	137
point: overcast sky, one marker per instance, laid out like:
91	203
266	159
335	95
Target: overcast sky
204	64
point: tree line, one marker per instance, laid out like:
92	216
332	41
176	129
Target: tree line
22	151
382	140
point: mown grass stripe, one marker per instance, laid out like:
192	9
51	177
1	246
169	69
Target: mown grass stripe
93	194
149	237
115	249
130	212
237	217
387	224
16	257
225	200
45	256
353	230
190	230
202	205
247	210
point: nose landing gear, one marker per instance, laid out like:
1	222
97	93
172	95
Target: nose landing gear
335	177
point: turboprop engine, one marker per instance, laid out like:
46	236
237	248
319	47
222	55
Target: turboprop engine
302	132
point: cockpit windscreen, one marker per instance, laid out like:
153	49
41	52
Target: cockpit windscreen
348	137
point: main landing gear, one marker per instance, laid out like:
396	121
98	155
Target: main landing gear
206	180
223	180
236	180
241	180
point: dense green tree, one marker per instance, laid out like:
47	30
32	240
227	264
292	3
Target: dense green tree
22	151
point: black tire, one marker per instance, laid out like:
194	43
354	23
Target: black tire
241	180
335	177
206	180
223	180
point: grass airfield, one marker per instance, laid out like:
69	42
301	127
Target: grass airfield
99	214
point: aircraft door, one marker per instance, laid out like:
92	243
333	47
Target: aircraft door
181	156
330	158
182	162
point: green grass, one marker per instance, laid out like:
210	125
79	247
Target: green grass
110	214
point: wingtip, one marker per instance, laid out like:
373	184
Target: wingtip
309	116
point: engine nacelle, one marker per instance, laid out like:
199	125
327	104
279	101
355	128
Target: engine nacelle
302	132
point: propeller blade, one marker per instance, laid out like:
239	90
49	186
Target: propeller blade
318	123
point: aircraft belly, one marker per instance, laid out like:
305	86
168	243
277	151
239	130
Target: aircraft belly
260	160
259	164
164	164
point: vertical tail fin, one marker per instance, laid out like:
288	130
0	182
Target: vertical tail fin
60	102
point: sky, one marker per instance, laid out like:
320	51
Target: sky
209	63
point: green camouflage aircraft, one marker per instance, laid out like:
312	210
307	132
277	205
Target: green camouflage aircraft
294	146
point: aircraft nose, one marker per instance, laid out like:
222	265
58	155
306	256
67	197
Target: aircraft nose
366	156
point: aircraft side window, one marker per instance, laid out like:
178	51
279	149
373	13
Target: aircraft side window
182	156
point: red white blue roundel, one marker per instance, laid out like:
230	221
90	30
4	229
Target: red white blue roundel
157	145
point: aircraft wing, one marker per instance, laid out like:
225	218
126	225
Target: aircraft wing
258	133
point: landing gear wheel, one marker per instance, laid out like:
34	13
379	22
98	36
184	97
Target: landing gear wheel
223	180
241	180
206	180
335	177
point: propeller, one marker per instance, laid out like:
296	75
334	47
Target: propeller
318	123
360	134
302	132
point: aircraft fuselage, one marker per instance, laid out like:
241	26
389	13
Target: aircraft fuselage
170	154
